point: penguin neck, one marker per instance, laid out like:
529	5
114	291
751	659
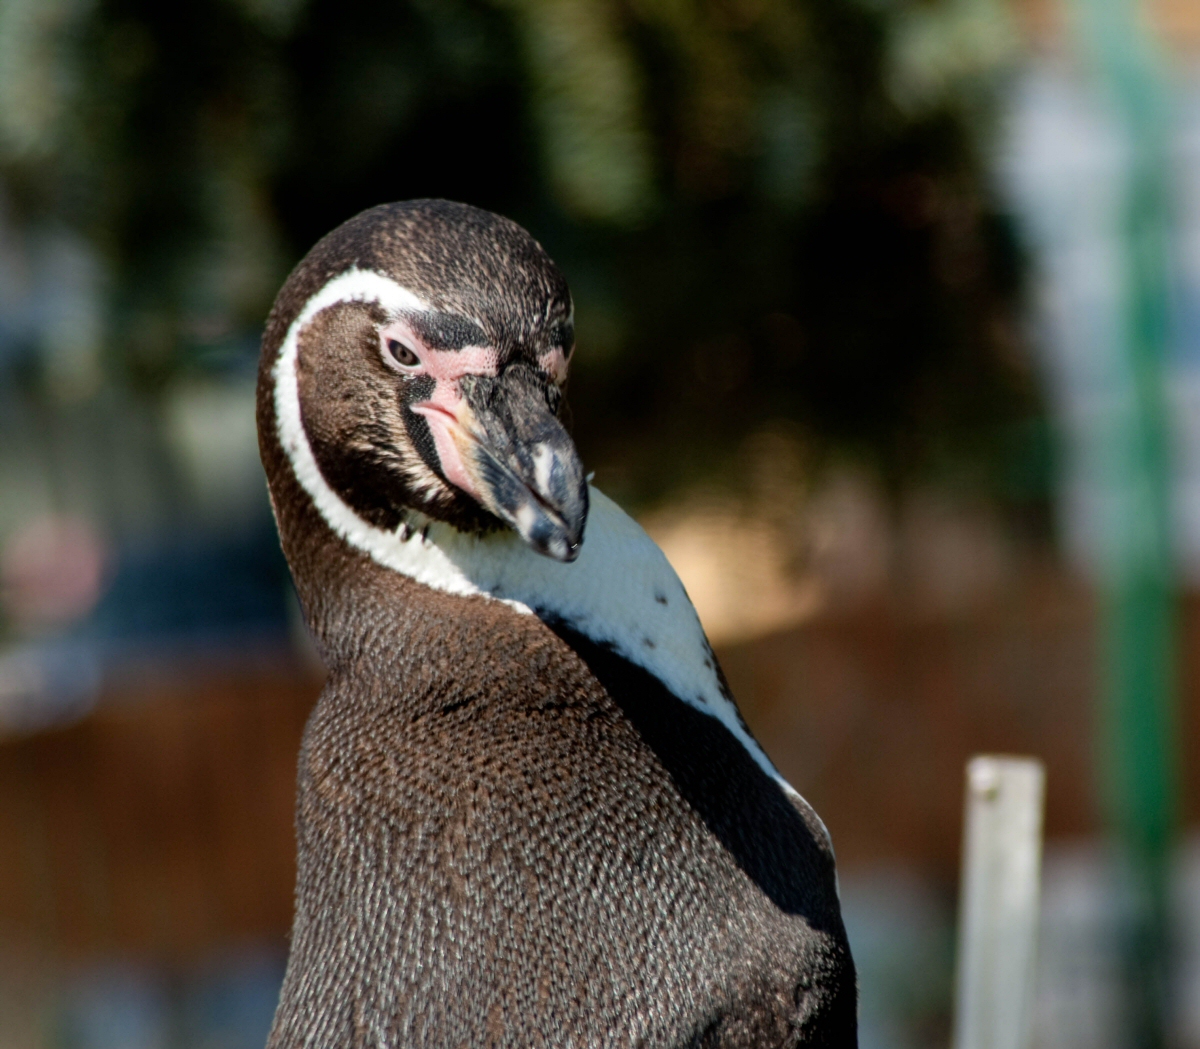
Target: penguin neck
339	589
621	593
356	579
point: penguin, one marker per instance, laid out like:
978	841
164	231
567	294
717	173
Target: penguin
529	812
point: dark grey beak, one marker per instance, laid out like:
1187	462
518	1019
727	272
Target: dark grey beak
525	463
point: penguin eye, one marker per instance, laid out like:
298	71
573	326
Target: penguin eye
403	355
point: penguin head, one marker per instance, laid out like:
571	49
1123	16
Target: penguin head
417	357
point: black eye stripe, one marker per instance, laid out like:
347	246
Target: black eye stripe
445	331
563	335
418	388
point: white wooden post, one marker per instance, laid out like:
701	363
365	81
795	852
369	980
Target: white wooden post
998	906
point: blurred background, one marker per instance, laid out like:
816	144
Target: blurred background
889	332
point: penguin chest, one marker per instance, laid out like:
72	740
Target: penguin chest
558	848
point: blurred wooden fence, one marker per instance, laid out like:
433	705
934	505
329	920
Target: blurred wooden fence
161	826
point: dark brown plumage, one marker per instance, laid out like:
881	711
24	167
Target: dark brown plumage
510	834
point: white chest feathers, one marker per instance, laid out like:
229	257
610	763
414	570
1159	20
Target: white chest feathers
621	592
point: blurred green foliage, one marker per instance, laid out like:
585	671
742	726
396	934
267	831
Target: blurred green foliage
773	213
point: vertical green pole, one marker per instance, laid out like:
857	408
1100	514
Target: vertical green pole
1138	639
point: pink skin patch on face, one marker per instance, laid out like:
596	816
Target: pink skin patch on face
554	363
446	410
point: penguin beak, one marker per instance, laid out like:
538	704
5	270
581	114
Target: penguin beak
516	459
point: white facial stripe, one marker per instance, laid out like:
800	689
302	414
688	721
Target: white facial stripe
621	591
414	557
